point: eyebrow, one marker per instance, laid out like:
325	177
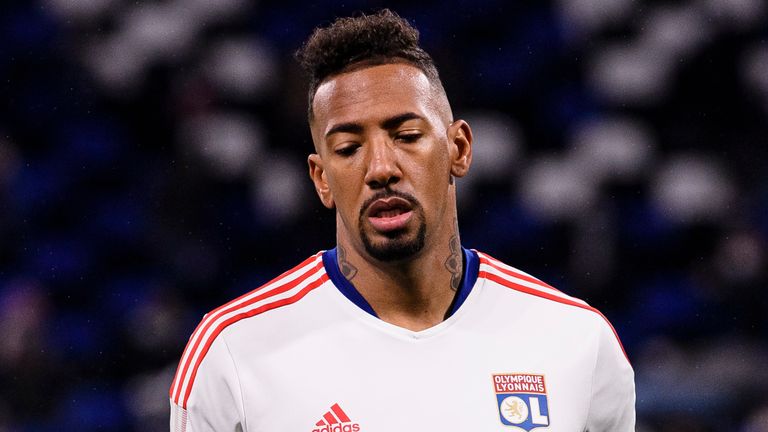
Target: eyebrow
389	123
399	119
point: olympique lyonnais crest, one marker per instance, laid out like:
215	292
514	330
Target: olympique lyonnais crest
522	400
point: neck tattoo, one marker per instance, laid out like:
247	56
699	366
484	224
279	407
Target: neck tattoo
347	269
454	261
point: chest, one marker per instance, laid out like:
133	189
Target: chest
499	375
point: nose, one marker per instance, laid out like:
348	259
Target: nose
383	168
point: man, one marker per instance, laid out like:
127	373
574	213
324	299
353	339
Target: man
398	328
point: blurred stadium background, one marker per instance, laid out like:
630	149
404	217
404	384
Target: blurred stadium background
152	166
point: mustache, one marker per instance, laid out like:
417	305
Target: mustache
384	194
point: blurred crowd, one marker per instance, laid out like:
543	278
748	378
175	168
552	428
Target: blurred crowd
153	166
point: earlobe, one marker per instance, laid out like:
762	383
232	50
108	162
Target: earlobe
318	176
460	140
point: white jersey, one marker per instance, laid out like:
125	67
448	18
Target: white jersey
306	353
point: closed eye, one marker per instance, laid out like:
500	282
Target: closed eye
347	150
408	137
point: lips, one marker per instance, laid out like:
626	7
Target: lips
389	214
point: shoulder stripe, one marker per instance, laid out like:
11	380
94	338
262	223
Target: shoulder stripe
552	294
492	265
205	323
287	288
211	324
246	314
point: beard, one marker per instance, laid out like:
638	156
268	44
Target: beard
397	245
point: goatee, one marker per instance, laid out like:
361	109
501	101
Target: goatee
399	245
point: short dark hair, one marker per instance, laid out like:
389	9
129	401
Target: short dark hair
366	40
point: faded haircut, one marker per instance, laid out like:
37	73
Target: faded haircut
352	43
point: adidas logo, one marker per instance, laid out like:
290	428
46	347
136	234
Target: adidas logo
336	420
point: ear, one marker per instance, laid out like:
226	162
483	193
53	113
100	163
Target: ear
317	174
460	147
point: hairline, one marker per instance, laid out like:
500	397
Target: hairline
432	76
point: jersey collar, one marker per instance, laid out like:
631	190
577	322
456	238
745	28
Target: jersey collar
468	279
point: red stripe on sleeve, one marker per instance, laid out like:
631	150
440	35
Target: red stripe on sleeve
179	376
493	262
269	306
213	316
517	287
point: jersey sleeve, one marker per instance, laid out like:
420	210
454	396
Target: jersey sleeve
215	400
612	404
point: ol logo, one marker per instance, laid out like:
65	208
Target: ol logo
522	400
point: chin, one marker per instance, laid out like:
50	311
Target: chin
397	247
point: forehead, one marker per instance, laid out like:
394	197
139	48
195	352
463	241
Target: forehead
372	93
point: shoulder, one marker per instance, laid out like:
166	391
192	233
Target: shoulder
283	291
541	295
612	381
519	281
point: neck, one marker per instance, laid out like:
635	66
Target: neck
414	293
